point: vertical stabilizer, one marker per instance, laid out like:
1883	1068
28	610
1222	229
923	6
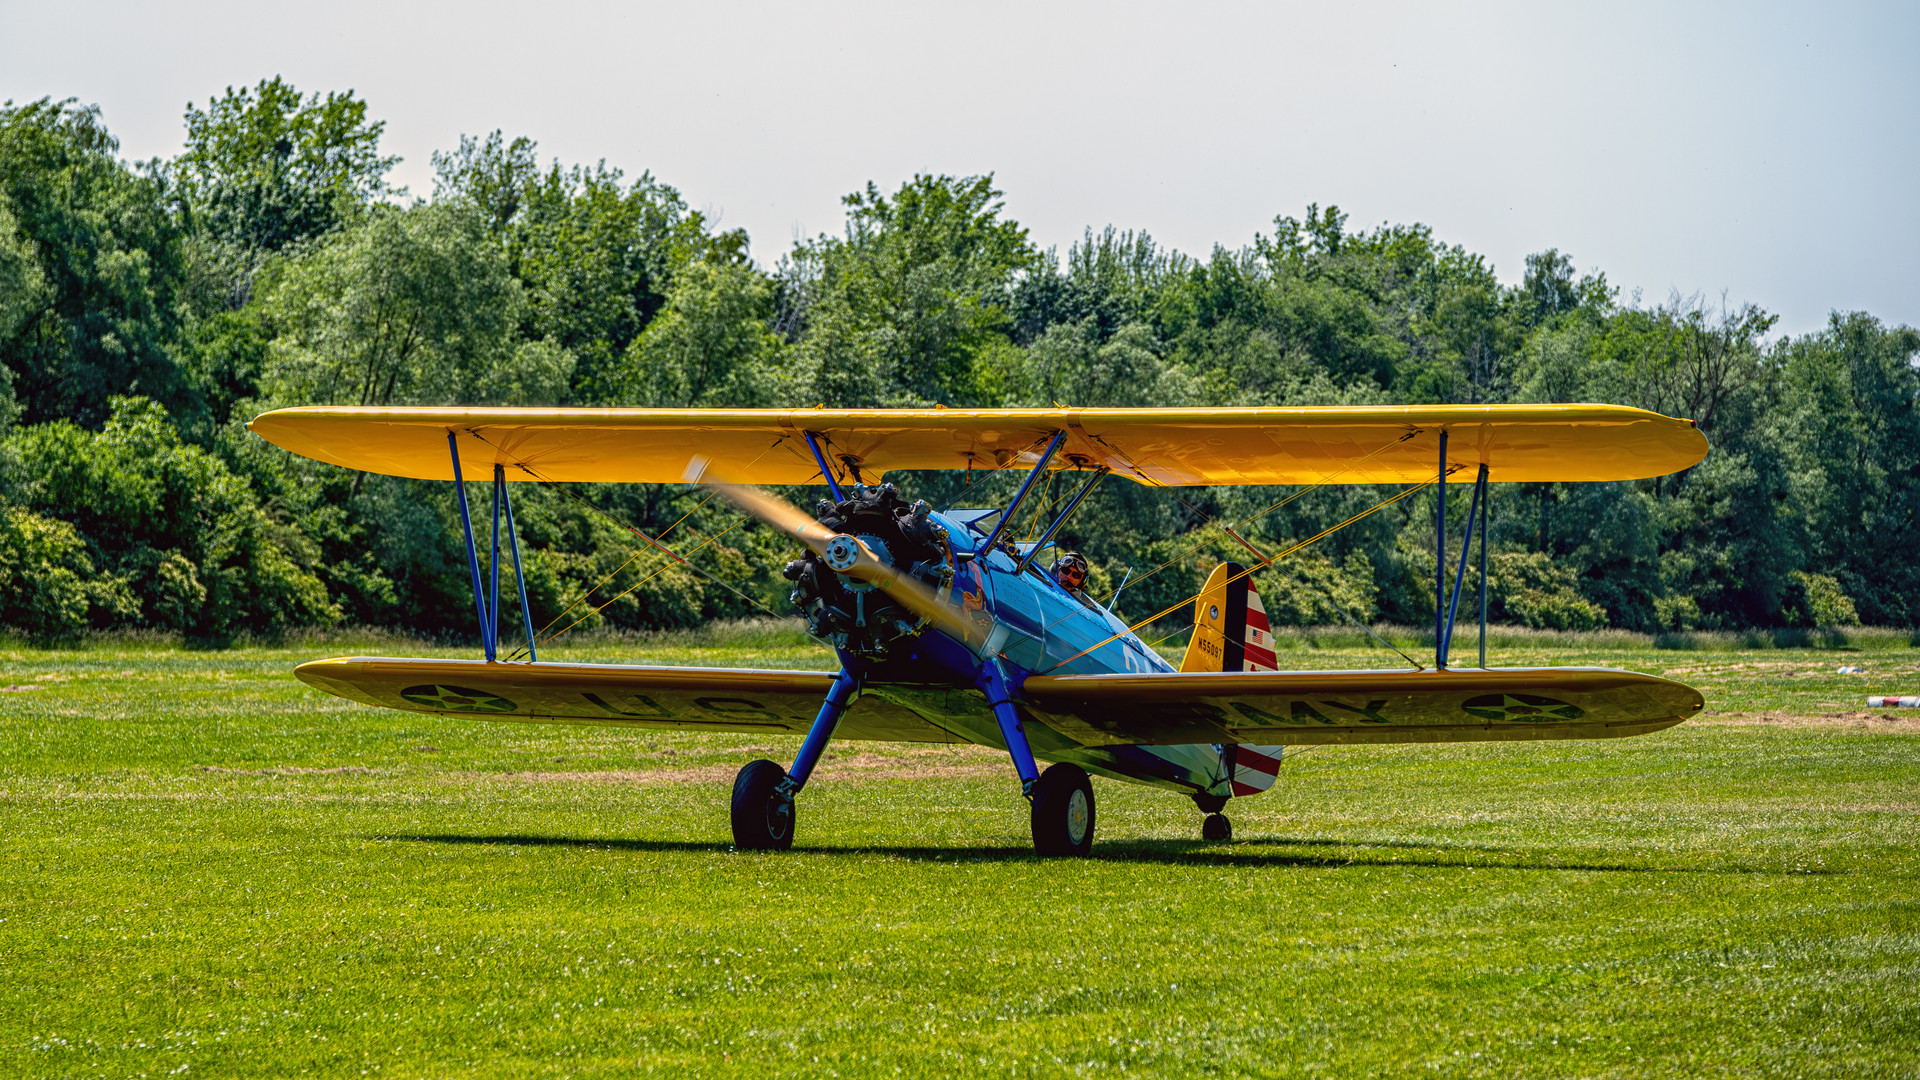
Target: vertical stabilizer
1230	628
1231	633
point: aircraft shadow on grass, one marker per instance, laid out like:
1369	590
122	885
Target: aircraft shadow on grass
1181	852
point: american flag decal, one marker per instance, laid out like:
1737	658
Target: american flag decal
1259	633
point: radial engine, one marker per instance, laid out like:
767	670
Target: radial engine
857	616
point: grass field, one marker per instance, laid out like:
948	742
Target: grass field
207	869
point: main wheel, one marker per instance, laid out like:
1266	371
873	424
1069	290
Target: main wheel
1216	827
1063	811
762	814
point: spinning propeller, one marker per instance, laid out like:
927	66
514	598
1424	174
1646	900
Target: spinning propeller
843	553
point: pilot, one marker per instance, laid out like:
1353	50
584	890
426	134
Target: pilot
1070	570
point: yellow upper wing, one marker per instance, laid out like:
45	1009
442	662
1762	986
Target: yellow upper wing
1360	445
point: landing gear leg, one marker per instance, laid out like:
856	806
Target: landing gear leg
763	810
993	683
1062	809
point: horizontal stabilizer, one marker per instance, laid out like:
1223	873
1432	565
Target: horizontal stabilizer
655	698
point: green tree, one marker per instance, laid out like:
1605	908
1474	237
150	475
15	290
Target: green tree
710	344
1848	421
911	303
48	586
23	292
107	317
494	176
1070	364
265	168
188	537
598	259
406	306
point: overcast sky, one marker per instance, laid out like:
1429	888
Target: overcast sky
1767	151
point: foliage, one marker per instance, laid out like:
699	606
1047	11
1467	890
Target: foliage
1310	589
711	344
596	256
48	585
1530	589
184	533
272	263
110	313
408	306
264	168
908	306
1817	600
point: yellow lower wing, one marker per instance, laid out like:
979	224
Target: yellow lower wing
658	698
1267	707
1304	707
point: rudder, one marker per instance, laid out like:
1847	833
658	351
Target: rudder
1231	633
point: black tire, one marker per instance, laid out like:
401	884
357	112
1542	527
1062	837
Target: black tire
1216	827
763	817
1063	811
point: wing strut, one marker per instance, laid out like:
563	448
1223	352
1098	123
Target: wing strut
1440	563
1446	610
1486	512
1027	559
473	553
1006	516
833	484
519	573
488	607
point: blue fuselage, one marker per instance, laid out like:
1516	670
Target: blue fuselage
1037	627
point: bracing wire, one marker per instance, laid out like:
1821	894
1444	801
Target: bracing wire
1257	515
653	541
1330	530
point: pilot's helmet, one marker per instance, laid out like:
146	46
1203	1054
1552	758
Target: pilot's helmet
1070	570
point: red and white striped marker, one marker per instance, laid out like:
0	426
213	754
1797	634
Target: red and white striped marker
1893	702
1254	767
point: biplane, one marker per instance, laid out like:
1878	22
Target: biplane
948	628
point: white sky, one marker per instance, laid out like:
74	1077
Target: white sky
1767	151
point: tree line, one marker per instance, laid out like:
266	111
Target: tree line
149	309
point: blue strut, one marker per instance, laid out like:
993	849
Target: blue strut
839	697
1466	548
473	555
993	683
833	485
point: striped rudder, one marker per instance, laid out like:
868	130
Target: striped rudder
1231	633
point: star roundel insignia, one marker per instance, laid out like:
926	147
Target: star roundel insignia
1521	708
457	699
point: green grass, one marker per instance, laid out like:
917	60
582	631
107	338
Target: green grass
208	870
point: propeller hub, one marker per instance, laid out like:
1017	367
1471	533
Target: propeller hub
842	553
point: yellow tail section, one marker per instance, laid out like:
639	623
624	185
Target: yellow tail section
1230	630
1207	649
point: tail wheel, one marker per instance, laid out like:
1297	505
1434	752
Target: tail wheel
1063	811
1216	827
763	815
